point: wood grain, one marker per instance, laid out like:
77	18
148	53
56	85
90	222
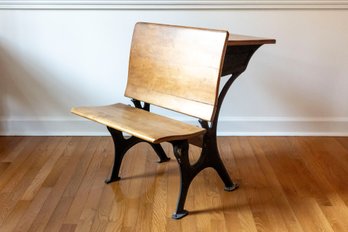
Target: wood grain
287	184
177	68
237	40
140	123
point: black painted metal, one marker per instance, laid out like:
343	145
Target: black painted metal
187	173
122	145
237	58
137	104
236	61
209	158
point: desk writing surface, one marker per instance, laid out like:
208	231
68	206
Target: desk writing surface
235	40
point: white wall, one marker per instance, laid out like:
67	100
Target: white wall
53	57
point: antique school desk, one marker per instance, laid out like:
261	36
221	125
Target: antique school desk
152	58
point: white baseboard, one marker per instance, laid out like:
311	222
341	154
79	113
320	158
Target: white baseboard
283	126
228	126
51	127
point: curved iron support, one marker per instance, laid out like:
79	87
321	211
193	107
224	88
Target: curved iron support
236	61
160	152
237	58
209	158
221	98
122	145
181	148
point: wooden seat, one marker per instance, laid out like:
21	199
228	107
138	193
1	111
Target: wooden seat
148	126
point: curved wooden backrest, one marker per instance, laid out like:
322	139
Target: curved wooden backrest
176	67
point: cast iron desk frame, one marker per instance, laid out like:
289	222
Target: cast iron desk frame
238	53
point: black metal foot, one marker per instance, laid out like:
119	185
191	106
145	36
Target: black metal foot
163	160
110	180
179	215
231	188
186	175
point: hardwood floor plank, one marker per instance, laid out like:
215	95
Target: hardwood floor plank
67	228
35	206
336	214
76	208
8	145
90	162
255	185
76	152
286	184
308	206
15	186
25	150
281	214
160	201
103	207
37	182
15	215
4	166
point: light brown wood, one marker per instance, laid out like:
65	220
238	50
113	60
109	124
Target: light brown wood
238	40
286	184
177	68
148	126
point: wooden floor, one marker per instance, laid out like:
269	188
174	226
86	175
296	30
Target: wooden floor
286	184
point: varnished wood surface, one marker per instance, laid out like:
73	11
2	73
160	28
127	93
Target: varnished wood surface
286	184
237	40
176	67
148	126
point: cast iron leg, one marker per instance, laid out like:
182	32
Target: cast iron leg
160	152
216	162
221	170
209	158
120	151
219	167
122	145
181	154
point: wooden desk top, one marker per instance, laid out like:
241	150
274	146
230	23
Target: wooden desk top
235	39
